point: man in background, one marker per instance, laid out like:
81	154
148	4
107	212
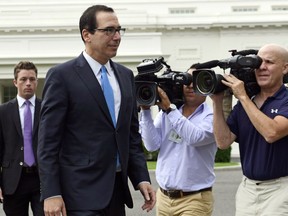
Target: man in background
19	118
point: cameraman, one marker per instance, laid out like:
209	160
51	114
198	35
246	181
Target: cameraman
260	126
185	165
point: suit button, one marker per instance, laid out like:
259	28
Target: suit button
22	148
21	163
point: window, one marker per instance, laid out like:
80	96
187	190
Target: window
245	9
181	10
280	8
9	92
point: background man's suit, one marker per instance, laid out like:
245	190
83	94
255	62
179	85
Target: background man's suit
11	146
76	129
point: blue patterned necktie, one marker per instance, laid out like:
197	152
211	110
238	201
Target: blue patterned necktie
29	158
109	97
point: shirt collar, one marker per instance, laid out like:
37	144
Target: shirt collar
96	66
200	108
279	94
21	100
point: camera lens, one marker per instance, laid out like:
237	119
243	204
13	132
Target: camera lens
205	82
146	93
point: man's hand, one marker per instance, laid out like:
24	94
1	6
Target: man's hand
164	100
149	196
217	98
1	196
236	85
54	206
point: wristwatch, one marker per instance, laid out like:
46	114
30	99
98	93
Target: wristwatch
171	107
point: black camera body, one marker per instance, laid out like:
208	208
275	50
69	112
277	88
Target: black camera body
146	82
242	65
205	81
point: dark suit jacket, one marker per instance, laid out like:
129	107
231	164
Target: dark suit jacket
11	144
77	139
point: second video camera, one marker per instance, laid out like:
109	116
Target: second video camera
170	81
242	65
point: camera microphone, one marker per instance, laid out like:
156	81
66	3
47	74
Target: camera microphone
209	64
244	52
239	61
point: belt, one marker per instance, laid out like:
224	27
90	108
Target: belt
265	182
30	170
174	194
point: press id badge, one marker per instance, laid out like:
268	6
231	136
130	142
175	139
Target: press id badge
174	137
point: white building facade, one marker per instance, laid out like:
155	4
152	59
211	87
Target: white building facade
183	32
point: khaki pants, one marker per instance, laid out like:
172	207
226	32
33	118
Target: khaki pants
200	204
262	198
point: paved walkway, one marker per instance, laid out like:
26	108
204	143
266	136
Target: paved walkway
224	190
227	181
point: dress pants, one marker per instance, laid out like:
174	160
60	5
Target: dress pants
199	204
116	206
28	191
262	198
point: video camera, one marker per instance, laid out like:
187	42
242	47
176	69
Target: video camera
242	65
171	82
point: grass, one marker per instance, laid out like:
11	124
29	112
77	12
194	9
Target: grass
152	164
226	164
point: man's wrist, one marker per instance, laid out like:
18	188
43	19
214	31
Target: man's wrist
170	108
167	111
146	182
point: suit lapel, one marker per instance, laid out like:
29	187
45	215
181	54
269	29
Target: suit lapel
16	116
87	76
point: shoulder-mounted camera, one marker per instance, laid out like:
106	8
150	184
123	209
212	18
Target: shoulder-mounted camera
171	82
242	65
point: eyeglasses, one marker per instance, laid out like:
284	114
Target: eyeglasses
112	31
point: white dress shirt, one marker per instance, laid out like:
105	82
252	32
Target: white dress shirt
96	66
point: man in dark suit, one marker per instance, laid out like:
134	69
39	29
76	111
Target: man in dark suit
19	180
88	149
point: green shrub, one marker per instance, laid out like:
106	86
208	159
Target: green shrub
150	156
223	155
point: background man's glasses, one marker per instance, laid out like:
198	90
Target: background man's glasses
112	31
